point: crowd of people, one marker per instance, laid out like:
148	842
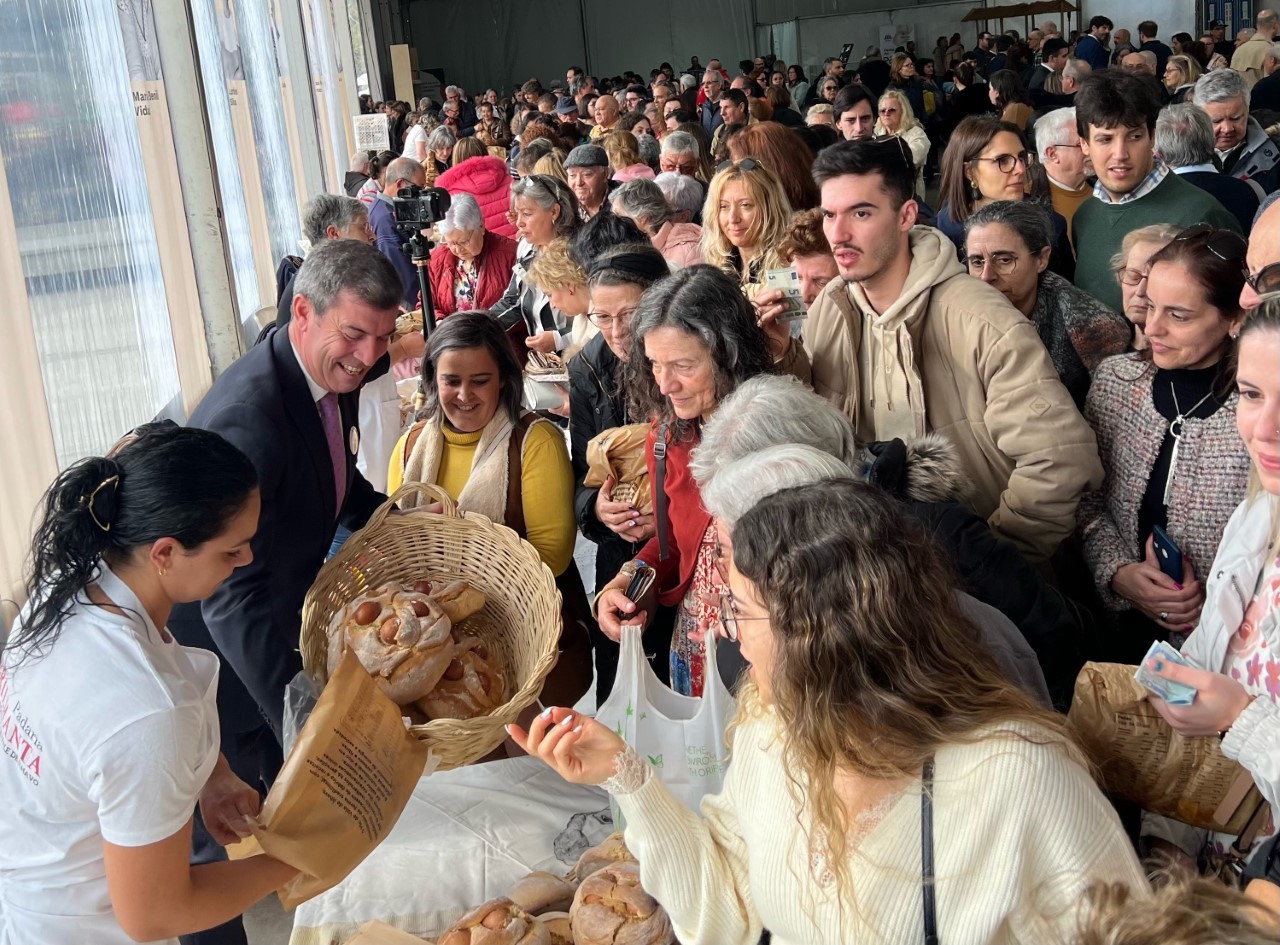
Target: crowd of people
1037	345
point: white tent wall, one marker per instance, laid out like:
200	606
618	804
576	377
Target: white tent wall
501	43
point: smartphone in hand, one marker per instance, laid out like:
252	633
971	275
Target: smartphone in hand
1168	554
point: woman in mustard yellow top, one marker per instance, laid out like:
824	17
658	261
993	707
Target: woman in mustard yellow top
472	433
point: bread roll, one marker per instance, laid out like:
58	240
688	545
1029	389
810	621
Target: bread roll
558	925
459	600
612	849
401	637
496	922
541	892
611	908
469	687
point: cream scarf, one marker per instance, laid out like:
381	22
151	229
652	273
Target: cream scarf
486	488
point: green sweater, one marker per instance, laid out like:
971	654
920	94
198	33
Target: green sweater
1099	228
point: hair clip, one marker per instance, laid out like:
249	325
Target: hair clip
88	501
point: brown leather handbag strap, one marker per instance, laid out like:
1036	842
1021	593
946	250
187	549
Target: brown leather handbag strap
514	517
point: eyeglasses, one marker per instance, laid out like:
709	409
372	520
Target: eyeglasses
1266	281
1007	162
1063	145
730	620
746	164
1002	263
606	321
1131	276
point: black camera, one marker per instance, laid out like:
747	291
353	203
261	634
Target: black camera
419	207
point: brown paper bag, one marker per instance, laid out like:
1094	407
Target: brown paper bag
342	788
375	932
619	452
1139	757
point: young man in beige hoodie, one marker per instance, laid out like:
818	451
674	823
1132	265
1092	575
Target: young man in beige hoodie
905	342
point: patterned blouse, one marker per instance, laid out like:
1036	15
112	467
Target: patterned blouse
465	278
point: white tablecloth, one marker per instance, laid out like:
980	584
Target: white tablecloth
466	836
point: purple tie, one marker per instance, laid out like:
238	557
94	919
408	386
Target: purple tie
333	434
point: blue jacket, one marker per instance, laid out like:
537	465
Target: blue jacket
382	220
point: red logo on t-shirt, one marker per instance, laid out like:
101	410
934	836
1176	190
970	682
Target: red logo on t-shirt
20	741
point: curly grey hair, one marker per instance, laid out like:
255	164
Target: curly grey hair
325	210
737	486
771	410
642	200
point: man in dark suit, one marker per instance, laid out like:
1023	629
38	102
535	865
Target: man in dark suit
291	405
1147	41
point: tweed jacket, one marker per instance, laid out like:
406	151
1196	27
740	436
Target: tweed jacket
1210	480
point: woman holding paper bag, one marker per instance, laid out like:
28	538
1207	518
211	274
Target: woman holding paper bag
694	339
838	777
1234	653
110	727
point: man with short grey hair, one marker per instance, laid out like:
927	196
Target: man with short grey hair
681	154
709	112
1072	74
1243	148
1249	57
1184	142
402	172
1142	62
1058	144
464	111
357	173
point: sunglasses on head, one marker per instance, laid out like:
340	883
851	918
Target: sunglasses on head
746	164
1225	244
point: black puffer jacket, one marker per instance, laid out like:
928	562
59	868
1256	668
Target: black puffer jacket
927	478
595	405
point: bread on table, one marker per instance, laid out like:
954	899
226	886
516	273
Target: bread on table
611	908
558	926
470	685
459	600
402	637
541	892
496	922
612	849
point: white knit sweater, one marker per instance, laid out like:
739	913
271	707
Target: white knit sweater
1019	832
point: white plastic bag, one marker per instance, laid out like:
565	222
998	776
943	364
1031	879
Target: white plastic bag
682	737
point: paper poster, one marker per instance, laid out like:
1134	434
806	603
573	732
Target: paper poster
894	35
372	133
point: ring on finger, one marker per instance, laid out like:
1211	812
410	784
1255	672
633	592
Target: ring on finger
1164	615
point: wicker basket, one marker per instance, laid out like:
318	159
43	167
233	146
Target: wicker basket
520	622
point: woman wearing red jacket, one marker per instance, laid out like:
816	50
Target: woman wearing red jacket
472	266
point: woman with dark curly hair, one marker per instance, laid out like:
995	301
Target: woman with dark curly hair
694	339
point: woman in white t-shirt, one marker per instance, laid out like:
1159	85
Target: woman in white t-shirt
110	730
415	143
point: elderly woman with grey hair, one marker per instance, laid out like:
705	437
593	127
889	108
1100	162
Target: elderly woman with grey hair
439	153
739	485
684	196
643	202
741	459
1007	245
471	267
